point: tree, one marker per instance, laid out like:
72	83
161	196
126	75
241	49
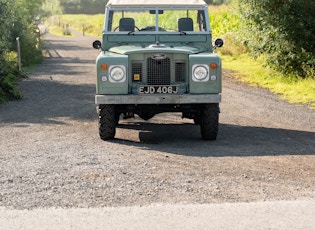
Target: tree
6	22
17	17
284	31
51	7
83	6
218	2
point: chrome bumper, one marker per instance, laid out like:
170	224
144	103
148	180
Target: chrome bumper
158	99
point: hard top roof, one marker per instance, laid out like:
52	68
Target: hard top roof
156	3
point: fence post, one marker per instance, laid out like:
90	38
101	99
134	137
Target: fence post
19	53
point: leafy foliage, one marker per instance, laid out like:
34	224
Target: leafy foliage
16	20
218	2
83	6
98	6
284	31
8	77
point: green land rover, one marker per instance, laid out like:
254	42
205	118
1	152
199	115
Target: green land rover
157	56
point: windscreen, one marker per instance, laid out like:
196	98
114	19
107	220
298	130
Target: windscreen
156	21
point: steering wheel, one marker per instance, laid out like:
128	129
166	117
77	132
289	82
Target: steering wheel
126	30
151	28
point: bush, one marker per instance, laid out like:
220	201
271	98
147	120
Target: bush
17	20
218	2
9	76
284	33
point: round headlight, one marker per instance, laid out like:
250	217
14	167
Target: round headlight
117	73
200	72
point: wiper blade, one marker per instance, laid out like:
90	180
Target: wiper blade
182	33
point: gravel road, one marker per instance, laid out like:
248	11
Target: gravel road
51	155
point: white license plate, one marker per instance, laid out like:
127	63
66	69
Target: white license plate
158	89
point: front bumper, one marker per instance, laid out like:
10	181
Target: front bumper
158	99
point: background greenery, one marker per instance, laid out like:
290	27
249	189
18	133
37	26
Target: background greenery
98	6
270	44
283	33
17	20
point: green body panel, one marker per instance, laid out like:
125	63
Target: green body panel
209	86
130	49
109	87
120	54
203	41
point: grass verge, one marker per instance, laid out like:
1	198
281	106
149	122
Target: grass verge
255	73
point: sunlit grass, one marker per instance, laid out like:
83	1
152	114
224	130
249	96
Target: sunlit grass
86	24
59	31
223	20
254	72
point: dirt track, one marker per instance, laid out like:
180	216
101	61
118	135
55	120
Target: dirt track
51	155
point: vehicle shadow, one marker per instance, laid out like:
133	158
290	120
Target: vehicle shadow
233	140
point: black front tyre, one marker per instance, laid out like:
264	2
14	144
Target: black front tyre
197	119
107	122
209	125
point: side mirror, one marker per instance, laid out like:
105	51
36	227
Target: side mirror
97	44
218	43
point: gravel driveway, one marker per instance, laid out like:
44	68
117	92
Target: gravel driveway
51	154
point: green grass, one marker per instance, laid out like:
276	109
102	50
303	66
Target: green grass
87	24
254	72
59	31
223	20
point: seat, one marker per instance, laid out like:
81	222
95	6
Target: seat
185	24
127	24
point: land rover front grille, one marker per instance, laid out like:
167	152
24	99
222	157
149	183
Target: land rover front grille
164	71
159	71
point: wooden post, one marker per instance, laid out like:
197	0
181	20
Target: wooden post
19	53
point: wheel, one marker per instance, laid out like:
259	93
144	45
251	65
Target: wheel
197	119
107	122
209	125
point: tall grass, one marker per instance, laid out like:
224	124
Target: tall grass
224	20
89	24
86	24
257	74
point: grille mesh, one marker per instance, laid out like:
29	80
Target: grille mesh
159	71
180	72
